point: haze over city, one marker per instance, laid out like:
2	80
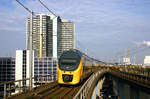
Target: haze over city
103	28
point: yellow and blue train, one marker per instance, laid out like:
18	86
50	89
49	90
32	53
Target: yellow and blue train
73	66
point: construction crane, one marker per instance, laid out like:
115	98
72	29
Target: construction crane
24	7
47	8
41	34
30	49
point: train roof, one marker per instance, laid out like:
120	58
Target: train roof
72	53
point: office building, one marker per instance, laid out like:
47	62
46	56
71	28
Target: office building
45	70
7	69
51	35
7	72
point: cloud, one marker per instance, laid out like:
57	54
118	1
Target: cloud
143	44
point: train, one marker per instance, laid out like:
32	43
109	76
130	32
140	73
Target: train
74	66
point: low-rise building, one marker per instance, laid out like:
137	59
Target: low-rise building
7	71
147	60
43	69
126	61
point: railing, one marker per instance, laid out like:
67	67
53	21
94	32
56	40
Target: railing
141	77
16	87
138	70
84	90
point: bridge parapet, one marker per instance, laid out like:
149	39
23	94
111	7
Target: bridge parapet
138	70
86	90
136	75
142	79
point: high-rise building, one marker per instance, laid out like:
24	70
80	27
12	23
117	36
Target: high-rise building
50	35
66	36
41	35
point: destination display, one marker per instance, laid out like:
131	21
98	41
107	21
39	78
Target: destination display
69	61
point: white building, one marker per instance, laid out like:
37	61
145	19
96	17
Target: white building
22	66
126	61
147	60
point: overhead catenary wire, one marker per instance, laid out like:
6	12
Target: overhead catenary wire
94	55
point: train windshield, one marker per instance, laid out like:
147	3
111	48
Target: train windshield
69	60
68	64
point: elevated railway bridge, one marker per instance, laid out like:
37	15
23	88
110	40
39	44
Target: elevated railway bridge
107	82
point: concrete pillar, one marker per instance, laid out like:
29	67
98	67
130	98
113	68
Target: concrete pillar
126	91
122	91
115	86
134	93
143	95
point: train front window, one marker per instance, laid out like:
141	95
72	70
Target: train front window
68	64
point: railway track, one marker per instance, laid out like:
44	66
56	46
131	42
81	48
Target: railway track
50	91
58	92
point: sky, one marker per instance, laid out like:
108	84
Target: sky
104	29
